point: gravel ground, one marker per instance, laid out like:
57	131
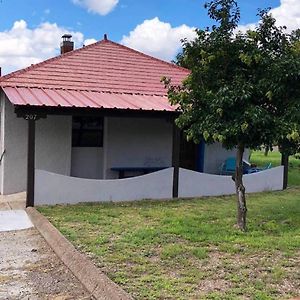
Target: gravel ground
29	269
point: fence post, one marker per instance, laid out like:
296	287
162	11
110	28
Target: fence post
175	159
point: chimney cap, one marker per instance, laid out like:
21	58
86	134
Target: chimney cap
66	36
67	44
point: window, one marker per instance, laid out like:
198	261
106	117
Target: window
87	132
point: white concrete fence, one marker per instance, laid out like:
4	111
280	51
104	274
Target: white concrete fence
194	184
51	188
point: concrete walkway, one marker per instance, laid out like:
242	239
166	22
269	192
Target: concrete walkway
29	269
11	220
12	214
14	201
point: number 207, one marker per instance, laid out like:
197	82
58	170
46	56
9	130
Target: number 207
30	117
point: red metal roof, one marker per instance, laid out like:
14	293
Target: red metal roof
75	98
101	75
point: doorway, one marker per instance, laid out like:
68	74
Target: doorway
87	147
191	154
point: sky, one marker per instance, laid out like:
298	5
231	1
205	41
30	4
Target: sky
31	30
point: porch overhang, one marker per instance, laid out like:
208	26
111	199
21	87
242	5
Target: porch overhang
26	111
61	98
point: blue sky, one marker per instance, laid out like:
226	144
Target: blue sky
155	26
124	18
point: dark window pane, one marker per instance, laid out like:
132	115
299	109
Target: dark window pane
87	132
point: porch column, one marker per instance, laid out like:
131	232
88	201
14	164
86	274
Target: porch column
30	163
200	156
175	159
285	164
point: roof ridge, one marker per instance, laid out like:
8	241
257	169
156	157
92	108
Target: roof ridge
148	56
21	71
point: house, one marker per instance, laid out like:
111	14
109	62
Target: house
98	112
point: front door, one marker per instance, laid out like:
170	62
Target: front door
87	147
191	154
188	154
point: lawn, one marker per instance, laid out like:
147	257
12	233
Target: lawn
190	249
274	157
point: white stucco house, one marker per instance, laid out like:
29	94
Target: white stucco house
99	112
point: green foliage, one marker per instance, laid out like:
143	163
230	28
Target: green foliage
281	53
244	88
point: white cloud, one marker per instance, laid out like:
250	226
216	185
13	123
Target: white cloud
21	46
246	27
89	42
158	38
101	7
286	14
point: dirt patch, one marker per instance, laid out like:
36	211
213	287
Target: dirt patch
29	269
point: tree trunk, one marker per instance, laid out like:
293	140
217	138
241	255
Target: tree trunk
285	163
266	151
240	189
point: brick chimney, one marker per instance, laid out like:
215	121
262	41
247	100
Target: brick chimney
67	44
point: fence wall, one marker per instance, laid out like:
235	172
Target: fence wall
51	188
194	184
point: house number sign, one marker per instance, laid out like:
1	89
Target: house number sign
31	117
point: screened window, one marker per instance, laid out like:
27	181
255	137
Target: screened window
87	132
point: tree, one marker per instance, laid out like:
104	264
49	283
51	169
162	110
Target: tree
228	96
282	54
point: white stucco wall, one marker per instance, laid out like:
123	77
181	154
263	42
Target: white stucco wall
53	148
127	142
215	155
53	189
2	110
268	180
136	142
194	184
87	162
53	144
15	144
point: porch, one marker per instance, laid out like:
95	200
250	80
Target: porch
96	144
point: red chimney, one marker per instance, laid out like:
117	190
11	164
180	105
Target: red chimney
67	44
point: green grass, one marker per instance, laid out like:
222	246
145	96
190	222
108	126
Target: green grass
274	157
190	249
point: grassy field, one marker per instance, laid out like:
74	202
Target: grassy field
190	249
274	157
